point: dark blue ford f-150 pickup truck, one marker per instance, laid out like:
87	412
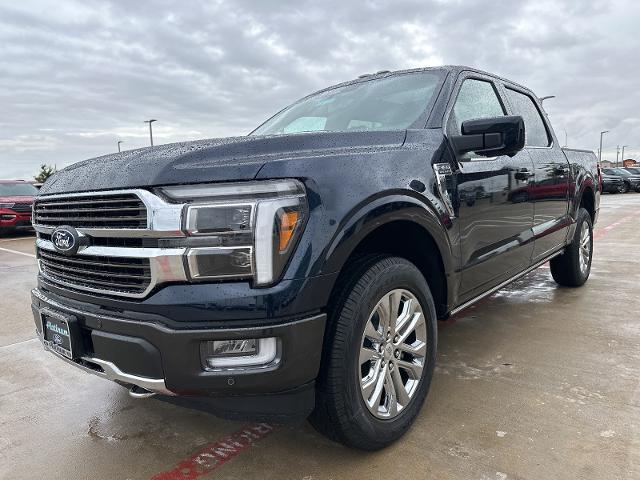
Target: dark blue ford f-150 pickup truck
301	270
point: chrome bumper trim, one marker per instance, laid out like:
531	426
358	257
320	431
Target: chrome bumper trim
110	371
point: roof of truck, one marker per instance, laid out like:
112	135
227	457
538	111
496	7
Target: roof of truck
455	69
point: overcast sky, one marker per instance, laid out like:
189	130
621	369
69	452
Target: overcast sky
76	77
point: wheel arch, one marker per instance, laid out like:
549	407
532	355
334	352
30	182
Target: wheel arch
376	230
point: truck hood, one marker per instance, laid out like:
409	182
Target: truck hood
215	160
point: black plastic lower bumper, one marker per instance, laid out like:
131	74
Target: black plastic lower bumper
154	351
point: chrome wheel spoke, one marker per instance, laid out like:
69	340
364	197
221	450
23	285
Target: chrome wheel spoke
417	349
384	317
401	393
371	332
391	402
417	318
374	399
367	355
413	370
394	306
369	383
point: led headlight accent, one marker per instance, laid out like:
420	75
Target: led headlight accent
264	218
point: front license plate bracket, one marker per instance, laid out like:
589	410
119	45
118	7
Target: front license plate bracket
61	333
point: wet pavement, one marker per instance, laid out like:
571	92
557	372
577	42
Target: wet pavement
535	382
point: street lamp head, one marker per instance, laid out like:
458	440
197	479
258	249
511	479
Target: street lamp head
604	131
149	121
542	99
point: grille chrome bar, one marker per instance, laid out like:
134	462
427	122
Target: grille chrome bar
115	271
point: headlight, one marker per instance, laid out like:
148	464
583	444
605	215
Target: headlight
241	230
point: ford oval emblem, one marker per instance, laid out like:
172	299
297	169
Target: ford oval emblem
65	240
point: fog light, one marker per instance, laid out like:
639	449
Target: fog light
240	353
7	216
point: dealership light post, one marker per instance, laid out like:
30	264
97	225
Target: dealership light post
150	129
600	151
119	142
623	147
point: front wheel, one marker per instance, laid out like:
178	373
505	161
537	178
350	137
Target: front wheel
379	354
572	268
624	188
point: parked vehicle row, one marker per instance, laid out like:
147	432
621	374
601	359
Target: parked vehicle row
621	180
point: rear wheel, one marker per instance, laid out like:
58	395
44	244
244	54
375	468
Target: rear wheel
572	268
379	354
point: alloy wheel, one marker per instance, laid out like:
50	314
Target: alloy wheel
392	354
585	247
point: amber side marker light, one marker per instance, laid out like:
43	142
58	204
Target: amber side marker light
288	222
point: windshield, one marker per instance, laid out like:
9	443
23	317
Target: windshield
616	171
17	189
634	170
388	103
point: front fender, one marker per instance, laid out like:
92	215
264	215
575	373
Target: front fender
372	214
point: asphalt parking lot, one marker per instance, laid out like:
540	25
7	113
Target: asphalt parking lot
535	382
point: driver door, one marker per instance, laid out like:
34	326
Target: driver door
494	209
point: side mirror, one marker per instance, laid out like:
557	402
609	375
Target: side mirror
491	137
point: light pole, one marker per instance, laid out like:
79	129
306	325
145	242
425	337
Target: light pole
150	129
119	142
600	151
617	154
623	147
566	138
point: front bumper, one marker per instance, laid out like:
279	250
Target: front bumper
10	219
167	361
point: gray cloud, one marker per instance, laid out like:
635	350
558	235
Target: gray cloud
78	76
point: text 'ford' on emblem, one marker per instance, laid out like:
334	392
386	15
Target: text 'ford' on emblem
66	240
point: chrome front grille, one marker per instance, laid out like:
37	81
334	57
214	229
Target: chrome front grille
129	245
97	273
122	210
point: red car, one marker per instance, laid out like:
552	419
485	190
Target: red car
16	200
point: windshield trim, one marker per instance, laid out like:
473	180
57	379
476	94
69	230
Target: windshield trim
420	122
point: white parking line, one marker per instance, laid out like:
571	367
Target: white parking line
17	252
6	240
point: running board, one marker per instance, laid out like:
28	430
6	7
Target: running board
468	303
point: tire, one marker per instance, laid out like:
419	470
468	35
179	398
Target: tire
352	362
572	268
624	188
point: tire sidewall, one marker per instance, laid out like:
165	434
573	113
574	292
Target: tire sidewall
405	276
